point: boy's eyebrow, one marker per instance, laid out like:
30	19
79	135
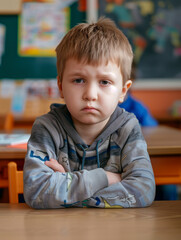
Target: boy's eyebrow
106	75
76	73
99	75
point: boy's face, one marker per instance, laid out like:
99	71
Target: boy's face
92	93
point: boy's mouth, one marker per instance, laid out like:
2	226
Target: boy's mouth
89	109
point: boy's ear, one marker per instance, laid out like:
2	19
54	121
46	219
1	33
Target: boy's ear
126	86
59	83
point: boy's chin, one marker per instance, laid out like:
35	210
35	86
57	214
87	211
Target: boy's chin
86	122
90	121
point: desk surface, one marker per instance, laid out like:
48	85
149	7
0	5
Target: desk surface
160	221
12	153
162	140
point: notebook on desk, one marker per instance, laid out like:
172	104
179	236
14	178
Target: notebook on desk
14	139
18	146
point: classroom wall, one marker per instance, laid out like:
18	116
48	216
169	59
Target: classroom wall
159	101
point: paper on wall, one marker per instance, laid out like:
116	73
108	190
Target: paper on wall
7	88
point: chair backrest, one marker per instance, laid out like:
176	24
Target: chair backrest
15	182
6	122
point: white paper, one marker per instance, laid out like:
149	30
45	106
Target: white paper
12	139
7	88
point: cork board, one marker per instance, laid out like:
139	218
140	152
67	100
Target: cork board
10	6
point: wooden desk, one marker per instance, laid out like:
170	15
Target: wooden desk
161	221
164	148
12	153
162	140
8	154
169	120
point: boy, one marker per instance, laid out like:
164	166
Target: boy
89	152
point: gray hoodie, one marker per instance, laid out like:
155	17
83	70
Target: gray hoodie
120	148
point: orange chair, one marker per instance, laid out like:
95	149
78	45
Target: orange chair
6	126
7	122
15	182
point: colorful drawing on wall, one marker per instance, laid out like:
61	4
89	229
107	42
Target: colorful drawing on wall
154	30
41	27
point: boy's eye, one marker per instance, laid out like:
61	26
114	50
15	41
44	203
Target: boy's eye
79	80
105	82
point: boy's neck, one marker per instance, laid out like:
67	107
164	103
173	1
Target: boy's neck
89	132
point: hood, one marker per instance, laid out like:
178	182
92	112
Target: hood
117	120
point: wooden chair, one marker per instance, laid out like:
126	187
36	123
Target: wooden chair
6	126
15	182
6	122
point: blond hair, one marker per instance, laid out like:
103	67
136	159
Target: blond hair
96	43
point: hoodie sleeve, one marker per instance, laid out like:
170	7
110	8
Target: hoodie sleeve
44	188
137	187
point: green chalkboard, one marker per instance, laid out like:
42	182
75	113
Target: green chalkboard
14	66
154	30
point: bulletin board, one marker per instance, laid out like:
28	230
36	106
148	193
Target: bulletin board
154	30
41	26
14	66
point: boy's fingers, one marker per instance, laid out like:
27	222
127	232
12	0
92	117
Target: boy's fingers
52	160
52	163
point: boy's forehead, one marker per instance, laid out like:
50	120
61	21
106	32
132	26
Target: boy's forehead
103	68
97	63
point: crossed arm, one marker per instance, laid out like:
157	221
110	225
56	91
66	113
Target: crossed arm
57	167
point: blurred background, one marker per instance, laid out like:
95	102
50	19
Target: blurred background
31	29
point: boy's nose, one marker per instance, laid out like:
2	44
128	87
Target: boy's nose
90	93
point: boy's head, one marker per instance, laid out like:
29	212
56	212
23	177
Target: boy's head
96	43
94	66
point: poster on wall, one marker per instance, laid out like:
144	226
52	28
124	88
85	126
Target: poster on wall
153	28
42	25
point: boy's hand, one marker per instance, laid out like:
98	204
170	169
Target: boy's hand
113	177
53	164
